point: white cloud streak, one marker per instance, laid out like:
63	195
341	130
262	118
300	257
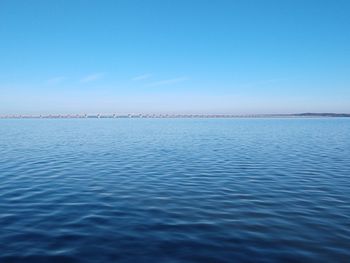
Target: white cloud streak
263	82
55	80
167	82
92	77
142	77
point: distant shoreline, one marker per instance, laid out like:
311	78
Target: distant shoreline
170	116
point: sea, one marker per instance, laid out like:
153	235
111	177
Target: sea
175	190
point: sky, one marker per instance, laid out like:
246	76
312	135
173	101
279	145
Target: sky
174	56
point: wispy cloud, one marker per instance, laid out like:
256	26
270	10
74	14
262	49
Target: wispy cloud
263	82
92	77
55	80
142	77
167	82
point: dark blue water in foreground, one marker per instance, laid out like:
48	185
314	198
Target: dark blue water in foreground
175	190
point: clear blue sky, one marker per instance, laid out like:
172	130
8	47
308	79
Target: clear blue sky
174	56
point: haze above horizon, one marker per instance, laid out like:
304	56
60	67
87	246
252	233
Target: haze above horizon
174	57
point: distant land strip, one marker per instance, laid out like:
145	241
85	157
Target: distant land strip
112	116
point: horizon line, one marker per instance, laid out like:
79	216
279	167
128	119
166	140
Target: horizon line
168	115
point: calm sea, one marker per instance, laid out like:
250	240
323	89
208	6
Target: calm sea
175	190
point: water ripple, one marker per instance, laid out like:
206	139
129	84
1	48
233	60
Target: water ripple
240	190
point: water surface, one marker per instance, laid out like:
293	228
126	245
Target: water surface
175	190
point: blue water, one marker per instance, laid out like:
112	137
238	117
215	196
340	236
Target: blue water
175	190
